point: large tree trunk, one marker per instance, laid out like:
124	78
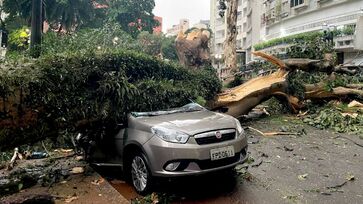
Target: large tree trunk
240	100
36	28
229	46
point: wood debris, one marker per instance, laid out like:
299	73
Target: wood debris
355	104
71	199
15	156
77	170
268	134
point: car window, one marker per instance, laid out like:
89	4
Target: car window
191	107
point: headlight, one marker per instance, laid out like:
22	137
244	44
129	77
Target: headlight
170	135
239	128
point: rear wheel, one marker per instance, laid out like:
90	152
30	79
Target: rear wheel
141	178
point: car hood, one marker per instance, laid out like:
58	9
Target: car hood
190	123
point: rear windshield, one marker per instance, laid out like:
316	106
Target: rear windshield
191	107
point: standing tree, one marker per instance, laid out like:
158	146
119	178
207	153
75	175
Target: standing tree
18	8
19	14
150	43
168	48
60	14
134	16
36	28
69	14
230	55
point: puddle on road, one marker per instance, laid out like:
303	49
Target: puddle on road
125	189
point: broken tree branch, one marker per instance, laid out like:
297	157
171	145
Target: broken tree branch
13	159
260	132
268	134
355	86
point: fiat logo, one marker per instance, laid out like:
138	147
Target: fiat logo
218	135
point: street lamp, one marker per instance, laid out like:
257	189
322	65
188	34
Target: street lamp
218	58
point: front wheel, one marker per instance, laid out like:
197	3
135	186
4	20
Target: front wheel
140	176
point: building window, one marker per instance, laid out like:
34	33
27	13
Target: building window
239	15
294	3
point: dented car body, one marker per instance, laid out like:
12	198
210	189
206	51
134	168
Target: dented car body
190	140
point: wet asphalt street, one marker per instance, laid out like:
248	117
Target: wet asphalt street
319	167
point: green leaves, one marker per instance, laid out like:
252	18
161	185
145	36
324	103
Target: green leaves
331	117
289	39
101	40
93	92
134	16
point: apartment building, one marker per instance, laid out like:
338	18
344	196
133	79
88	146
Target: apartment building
248	27
282	18
3	15
264	20
175	29
202	24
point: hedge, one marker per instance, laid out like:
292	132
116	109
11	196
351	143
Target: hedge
309	36
304	37
92	93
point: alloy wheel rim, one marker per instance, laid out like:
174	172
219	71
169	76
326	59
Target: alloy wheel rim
139	173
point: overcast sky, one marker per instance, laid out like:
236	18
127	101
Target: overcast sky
173	10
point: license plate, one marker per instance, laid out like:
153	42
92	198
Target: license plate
221	153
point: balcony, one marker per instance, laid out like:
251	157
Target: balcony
277	49
344	43
220	27
299	5
220	40
323	1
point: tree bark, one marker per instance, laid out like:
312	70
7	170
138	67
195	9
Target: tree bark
240	100
36	28
229	46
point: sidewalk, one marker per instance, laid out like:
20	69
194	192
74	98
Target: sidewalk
87	189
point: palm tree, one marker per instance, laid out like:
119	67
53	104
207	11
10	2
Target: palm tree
61	14
69	14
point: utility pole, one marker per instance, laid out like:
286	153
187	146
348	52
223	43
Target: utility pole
36	28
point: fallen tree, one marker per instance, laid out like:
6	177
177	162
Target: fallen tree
241	99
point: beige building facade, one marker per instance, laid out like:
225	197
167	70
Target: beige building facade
175	29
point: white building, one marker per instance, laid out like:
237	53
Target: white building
264	20
3	15
175	29
282	18
203	24
248	27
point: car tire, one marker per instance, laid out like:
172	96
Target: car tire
139	173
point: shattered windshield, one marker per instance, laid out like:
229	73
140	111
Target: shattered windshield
191	107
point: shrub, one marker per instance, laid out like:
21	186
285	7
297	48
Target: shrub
106	39
309	36
18	39
92	92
